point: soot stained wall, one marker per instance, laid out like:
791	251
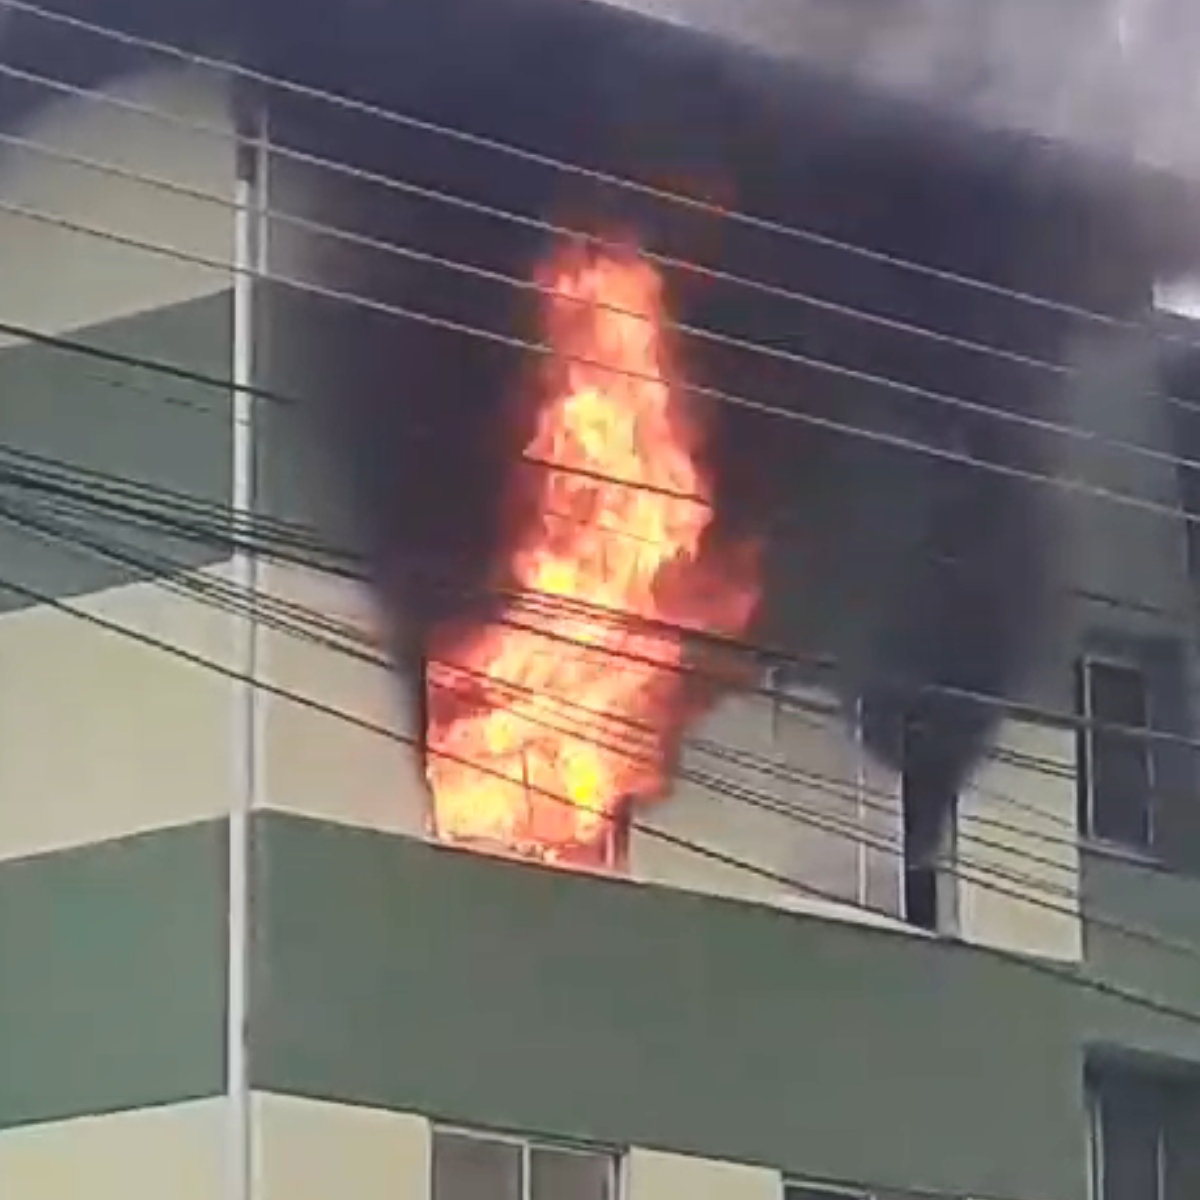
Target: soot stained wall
908	567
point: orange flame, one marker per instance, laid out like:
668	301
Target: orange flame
546	723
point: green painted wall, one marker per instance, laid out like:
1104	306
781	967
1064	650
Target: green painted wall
113	975
127	423
395	973
1157	955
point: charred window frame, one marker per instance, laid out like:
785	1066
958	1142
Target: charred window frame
1115	766
472	1164
930	804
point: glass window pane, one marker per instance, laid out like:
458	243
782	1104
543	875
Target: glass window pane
1119	766
1129	1131
1120	790
1118	694
475	1168
567	1175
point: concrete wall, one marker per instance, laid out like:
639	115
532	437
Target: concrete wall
96	726
177	1150
1016	857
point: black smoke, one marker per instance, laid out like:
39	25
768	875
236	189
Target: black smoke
916	578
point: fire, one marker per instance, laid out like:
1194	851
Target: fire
546	723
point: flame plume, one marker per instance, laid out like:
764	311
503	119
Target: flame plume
545	724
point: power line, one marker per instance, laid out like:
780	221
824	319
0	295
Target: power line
1173	513
896	441
273	396
994	412
113	499
534	158
974	873
448	199
1100	986
699	333
114	496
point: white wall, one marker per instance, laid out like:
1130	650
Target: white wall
311	1150
656	1175
816	826
339	741
1017	853
94	726
176	1151
57	280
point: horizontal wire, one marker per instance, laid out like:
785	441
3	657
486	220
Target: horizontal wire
780	697
949	400
789	773
1135	449
535	158
792	810
259	392
508	216
1073	977
591	612
760	764
897	441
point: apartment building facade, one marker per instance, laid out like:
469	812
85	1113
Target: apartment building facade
233	959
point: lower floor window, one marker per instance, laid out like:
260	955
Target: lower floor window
1144	1134
470	1165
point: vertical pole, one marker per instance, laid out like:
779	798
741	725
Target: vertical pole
249	248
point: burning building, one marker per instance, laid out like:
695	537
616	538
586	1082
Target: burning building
441	447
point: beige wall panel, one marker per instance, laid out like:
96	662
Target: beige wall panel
147	1154
1017	853
104	736
654	1175
69	279
829	824
309	1150
356	763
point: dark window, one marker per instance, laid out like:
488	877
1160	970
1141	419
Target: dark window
481	1166
930	804
1115	769
1143	1138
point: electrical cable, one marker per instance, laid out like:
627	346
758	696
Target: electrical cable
225	384
1115	991
697	333
1073	977
897	441
218	535
994	412
535	158
974	872
966	695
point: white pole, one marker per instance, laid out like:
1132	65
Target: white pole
249	252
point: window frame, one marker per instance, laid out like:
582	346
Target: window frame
614	1158
1096	1161
834	1191
1084	769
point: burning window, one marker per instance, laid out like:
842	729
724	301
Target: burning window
547	722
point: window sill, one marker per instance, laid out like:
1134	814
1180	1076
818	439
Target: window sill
1119	850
